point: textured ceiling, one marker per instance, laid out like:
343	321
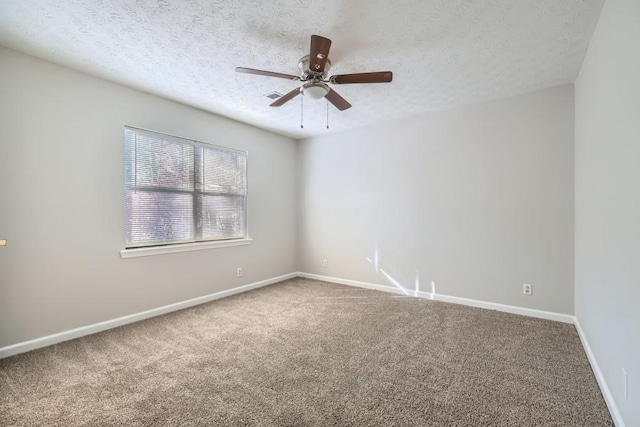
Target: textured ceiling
443	53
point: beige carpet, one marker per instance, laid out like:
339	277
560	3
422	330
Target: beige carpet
307	353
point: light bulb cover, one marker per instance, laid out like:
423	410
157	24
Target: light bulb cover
315	90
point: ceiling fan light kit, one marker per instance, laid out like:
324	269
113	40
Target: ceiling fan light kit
315	89
314	69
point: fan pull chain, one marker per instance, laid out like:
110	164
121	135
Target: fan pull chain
327	113
302	112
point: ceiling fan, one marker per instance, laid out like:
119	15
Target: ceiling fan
314	69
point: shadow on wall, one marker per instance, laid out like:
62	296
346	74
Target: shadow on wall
416	292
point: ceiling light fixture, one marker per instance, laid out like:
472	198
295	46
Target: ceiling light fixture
315	89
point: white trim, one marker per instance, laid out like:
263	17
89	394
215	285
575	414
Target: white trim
549	315
22	347
356	283
604	388
531	312
183	247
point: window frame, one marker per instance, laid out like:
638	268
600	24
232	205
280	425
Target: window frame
136	250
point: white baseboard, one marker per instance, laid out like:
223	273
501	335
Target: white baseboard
109	324
531	312
604	388
339	281
549	315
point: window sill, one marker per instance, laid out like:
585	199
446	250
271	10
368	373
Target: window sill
185	247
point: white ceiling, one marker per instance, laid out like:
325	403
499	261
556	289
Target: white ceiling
443	53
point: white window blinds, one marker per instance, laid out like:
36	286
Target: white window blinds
180	191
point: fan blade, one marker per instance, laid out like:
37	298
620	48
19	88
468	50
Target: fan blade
319	53
285	98
377	77
340	103
266	73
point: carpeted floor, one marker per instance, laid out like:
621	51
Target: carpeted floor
307	353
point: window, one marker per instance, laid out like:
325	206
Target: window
182	191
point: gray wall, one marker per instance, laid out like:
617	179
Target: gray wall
478	199
607	179
62	202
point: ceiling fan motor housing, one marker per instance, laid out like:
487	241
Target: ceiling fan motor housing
308	74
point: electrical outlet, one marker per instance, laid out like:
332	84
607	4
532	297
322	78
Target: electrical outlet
325	263
625	384
239	272
527	289
3	242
